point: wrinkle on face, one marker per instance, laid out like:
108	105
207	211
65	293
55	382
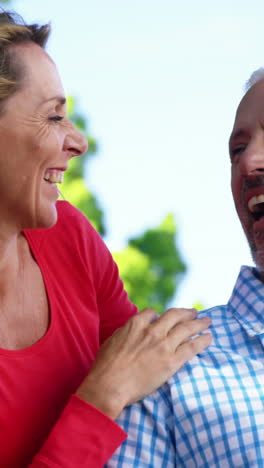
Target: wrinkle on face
30	142
247	159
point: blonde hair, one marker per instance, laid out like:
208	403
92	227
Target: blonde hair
13	31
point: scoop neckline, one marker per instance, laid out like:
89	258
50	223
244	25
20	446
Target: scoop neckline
35	347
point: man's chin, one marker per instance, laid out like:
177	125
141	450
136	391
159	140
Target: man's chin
256	245
258	258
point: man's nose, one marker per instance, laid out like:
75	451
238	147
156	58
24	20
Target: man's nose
75	143
252	160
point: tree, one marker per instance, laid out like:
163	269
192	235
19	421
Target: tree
74	188
151	265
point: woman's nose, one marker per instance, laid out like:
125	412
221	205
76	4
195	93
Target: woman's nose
75	143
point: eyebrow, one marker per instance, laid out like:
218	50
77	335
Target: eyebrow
240	132
60	99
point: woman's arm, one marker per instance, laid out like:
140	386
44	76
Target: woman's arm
137	359
83	437
142	353
141	356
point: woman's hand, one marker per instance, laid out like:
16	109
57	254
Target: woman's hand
141	356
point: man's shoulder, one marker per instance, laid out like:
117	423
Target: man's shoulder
222	319
214	311
230	347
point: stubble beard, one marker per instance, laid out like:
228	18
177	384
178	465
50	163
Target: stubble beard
257	254
255	239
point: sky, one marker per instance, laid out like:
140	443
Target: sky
160	81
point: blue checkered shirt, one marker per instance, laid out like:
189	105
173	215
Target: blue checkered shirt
211	412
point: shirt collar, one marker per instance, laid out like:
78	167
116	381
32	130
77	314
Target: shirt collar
247	301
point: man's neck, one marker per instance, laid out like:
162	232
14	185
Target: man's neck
259	274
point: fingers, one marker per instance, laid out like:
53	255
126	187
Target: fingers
147	316
171	318
191	348
185	330
179	324
121	373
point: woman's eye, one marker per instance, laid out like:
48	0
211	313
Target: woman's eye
56	118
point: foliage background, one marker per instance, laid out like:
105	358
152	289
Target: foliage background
161	82
150	265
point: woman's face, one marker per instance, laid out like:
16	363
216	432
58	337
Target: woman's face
36	139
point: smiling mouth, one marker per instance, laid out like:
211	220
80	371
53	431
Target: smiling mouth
54	176
256	207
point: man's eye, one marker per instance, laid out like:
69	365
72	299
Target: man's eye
56	118
237	150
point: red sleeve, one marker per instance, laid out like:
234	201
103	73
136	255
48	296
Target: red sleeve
114	306
79	239
82	437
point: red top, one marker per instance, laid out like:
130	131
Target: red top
87	303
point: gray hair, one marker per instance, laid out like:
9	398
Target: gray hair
255	77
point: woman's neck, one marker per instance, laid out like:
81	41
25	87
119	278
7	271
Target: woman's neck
13	251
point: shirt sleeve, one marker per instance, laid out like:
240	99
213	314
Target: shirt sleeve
83	437
150	434
113	303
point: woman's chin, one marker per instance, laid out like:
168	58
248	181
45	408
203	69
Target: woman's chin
49	219
45	218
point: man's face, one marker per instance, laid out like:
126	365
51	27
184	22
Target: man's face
247	160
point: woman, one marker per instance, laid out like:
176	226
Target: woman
60	294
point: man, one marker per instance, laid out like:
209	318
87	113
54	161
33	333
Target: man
211	413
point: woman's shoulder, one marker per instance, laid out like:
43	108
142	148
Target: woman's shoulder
71	216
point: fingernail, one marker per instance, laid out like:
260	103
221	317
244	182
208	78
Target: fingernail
156	317
208	334
206	320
